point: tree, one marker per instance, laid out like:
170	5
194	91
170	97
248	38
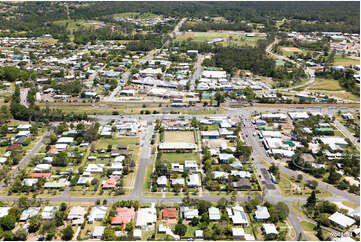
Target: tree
59	216
311	200
63	206
68	233
34	223
299	177
21	234
8	235
282	210
8	222
180	229
219	98
109	234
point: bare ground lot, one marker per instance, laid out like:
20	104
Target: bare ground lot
179	136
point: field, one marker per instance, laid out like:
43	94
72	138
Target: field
103	142
290	50
332	88
179	157
228	38
345	61
179	136
308	228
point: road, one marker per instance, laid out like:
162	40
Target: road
347	133
149	56
197	72
309	72
24	162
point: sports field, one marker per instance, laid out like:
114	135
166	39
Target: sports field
346	61
179	136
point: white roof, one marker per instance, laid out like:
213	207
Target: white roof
271	134
4	211
76	212
97	213
214	213
146	216
49	212
177	145
269	229
98	231
342	220
162	180
262	212
24	126
29	212
194	180
65	140
298	115
238	232
23	133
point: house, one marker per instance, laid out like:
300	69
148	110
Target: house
225	157
190	165
176	181
174	146
28	213
23	133
52	152
238	233
84	180
237	215
220	174
124	215
49	212
162	181
24	127
269	229
298	115
261	213
334	142
40	175
65	140
4	211
194	181
236	165
169	213
341	221
76	212
97	214
111	182
98	232
29	182
137	234
146	217
189	213
61	147
214	213
95	168
355	213
348	116
42	167
176	167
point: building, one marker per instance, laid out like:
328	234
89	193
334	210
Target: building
124	215
269	229
298	115
146	217
334	142
341	221
214	134
194	181
98	232
214	213
162	181
76	214
238	233
174	146
49	212
137	234
169	213
261	213
4	211
97	214
237	215
189	213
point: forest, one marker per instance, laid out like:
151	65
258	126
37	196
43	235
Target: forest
33	19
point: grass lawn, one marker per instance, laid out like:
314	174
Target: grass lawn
71	25
308	228
326	85
345	61
104	142
179	136
211	127
285	186
148	172
351	205
179	157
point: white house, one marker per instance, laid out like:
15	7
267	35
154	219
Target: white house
29	212
237	215
238	233
97	214
98	232
189	213
49	212
146	217
194	181
261	213
214	213
269	229
341	220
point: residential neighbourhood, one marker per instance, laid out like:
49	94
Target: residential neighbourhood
235	121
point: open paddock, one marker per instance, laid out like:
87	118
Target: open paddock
179	136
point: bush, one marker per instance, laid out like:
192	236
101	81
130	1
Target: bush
67	233
26	142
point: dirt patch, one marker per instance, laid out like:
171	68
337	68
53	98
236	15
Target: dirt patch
291	49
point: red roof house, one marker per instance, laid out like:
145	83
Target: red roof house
39	175
52	151
124	216
13	147
111	182
169	213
